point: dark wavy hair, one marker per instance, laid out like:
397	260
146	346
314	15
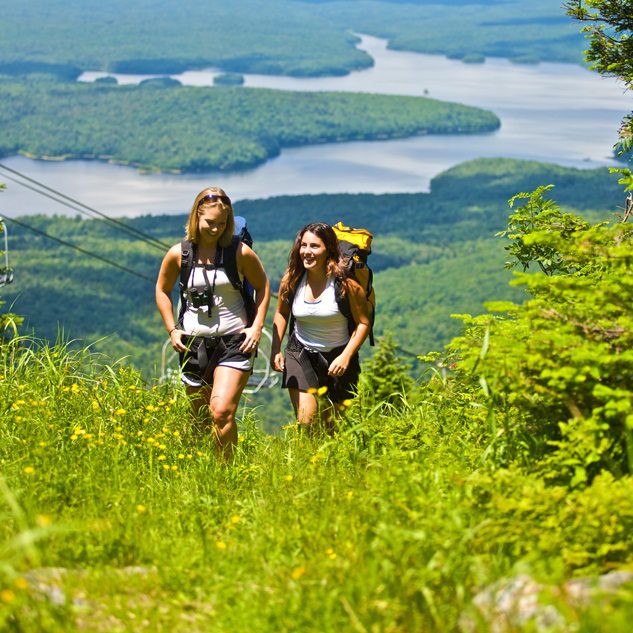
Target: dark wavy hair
295	269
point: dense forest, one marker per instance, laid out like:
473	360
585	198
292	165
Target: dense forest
180	129
434	254
280	37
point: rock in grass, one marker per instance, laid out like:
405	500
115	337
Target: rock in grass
511	604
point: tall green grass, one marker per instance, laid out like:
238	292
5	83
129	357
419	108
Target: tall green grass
113	498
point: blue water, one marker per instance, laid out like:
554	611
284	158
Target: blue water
556	113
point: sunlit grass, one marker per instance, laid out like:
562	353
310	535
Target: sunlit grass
113	498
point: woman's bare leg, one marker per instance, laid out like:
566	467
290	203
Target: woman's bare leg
228	384
309	413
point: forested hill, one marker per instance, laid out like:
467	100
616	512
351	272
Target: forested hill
194	129
278	37
434	255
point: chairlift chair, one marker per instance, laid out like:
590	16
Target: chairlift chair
6	273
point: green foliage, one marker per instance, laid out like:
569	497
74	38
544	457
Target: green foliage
279	37
540	214
556	371
401	516
609	24
160	126
385	375
537	30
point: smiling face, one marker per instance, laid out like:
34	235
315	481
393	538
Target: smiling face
212	224
312	252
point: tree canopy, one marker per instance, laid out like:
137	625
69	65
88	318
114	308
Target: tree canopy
609	25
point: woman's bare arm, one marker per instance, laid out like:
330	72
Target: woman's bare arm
167	278
280	323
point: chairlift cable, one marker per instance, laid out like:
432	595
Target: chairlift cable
77	248
131	231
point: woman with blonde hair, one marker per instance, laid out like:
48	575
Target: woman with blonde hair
328	324
219	327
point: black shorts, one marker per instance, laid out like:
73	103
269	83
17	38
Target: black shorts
307	369
205	353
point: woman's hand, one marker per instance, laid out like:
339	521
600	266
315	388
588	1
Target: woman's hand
250	343
277	361
176	340
339	365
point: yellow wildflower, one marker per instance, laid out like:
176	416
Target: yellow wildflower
29	469
220	545
174	467
119	428
235	519
289	477
176	433
166	466
297	573
73	437
312	390
322	390
189	456
161	457
140	508
43	520
347	403
162	447
139	433
21	583
42	444
7	595
181	456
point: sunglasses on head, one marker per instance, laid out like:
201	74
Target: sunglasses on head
212	197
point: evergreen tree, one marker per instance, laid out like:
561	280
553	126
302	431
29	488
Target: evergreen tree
385	375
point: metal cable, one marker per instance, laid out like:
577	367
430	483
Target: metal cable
119	226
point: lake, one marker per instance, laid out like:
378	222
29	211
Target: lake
557	113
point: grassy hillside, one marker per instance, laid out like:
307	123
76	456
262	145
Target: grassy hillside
434	255
115	507
282	37
185	129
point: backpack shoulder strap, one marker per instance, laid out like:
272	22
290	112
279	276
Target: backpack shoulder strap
229	263
342	299
188	258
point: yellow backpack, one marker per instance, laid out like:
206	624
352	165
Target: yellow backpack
355	247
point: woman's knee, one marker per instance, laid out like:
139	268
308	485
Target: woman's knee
222	412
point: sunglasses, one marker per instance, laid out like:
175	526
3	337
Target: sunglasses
212	197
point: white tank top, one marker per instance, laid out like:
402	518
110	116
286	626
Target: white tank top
228	315
319	325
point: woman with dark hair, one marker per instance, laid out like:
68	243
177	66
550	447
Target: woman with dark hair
328	316
215	335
